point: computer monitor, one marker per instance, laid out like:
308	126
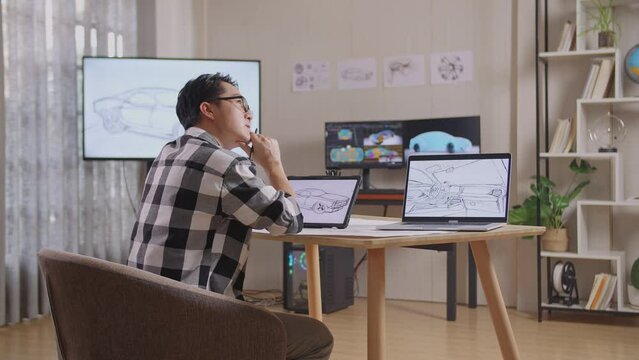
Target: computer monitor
129	103
387	144
457	135
364	145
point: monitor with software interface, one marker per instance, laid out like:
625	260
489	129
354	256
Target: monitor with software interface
388	144
364	144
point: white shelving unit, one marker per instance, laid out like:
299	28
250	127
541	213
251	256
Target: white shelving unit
572	55
625	309
594	217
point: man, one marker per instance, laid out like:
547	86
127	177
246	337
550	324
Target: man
201	200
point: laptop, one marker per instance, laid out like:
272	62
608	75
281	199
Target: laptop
325	201
465	192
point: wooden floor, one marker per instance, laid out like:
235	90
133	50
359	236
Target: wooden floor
418	330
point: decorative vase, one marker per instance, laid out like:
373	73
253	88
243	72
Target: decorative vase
633	296
606	39
555	240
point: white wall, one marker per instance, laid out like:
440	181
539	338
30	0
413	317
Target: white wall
280	32
167	28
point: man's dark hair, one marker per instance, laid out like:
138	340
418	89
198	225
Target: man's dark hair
205	87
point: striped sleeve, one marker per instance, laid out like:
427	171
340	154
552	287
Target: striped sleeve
248	199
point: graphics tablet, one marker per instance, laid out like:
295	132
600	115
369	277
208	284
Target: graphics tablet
325	201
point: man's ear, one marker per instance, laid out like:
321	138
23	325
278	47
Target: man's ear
205	109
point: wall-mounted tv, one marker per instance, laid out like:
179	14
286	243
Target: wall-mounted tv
387	144
129	103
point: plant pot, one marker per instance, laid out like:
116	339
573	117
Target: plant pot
555	240
606	39
633	296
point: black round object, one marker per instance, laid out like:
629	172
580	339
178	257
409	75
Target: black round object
568	277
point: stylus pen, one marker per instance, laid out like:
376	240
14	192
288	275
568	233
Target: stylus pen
253	146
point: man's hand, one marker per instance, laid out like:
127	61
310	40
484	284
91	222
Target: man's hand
266	153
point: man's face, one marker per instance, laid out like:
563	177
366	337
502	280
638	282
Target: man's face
230	119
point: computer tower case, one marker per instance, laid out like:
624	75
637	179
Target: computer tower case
336	276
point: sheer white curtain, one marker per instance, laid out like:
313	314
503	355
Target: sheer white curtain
52	197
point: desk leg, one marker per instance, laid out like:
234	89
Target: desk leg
451	283
376	304
313	279
472	280
496	305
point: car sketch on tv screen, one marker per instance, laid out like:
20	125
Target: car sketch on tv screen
145	111
129	103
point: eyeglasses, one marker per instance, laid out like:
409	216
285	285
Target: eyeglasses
243	102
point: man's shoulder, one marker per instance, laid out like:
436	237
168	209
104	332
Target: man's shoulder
193	151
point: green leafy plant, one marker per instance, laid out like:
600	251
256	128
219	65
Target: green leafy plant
601	18
634	274
553	204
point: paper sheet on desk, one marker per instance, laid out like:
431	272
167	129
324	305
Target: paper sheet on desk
361	227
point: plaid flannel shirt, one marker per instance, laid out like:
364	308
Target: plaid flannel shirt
198	207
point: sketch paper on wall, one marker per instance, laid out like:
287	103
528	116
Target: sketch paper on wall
451	68
357	74
311	75
407	70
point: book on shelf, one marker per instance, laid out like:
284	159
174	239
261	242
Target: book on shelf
557	137
603	289
572	134
562	39
602	83
564	136
567	37
606	299
595	293
590	81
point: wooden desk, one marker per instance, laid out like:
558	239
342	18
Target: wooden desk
391	197
376	248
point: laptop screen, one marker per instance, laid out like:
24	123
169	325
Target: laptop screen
325	201
467	188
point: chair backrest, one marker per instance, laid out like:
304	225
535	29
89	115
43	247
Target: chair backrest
102	310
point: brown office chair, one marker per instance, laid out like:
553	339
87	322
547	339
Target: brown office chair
102	310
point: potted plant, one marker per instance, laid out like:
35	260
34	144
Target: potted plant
633	287
553	205
602	22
